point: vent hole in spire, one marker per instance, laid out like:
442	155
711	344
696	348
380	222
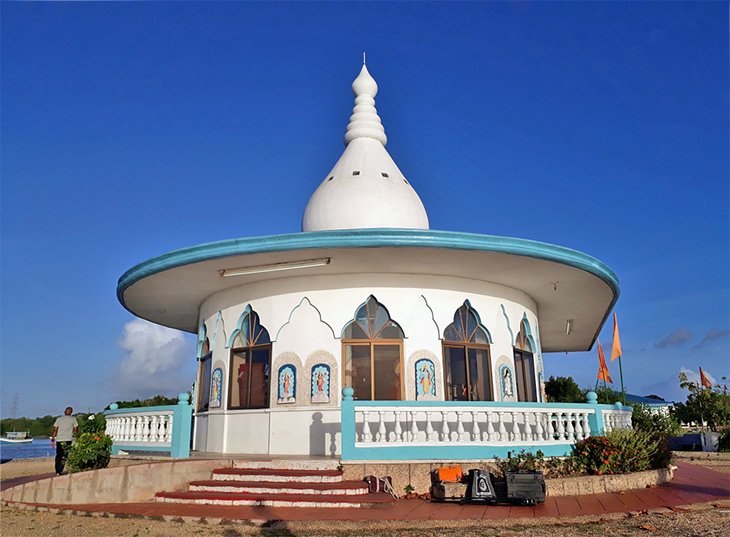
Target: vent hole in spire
331	177
356	172
384	174
405	181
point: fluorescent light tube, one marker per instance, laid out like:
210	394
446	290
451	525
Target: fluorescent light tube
276	267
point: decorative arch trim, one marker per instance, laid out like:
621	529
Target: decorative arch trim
465	331
295	308
373	327
247	315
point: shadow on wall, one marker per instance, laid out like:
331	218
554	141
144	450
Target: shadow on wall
323	436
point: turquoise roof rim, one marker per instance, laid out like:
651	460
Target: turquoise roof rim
369	238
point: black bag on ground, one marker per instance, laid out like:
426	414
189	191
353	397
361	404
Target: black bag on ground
526	488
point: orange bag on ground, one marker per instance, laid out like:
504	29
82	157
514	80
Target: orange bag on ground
451	473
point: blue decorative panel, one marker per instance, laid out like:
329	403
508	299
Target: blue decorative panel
216	388
321	383
506	382
287	384
425	380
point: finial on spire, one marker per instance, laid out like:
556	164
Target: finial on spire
363	58
364	121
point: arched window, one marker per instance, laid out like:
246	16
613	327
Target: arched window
372	347
250	370
525	364
467	367
205	361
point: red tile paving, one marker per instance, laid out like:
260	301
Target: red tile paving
692	484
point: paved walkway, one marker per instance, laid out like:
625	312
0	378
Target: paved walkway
692	484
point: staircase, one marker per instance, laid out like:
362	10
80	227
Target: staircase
278	484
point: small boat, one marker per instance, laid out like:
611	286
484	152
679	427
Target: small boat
20	437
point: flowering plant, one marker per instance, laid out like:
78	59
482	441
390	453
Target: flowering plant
90	451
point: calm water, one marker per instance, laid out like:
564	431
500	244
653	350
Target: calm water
40	447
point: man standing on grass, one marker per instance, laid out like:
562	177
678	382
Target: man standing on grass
64	429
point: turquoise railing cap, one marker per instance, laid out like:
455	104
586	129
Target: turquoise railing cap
113	406
348	392
592	397
183	398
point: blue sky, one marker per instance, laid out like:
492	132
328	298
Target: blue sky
131	129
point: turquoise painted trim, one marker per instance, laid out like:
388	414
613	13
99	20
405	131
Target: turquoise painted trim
182	422
239	325
182	419
506	318
372	238
454	452
202	334
116	448
139	409
449	453
477	404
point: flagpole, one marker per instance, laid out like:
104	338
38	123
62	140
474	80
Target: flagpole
621	372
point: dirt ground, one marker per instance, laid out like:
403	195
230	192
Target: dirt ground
702	520
707	521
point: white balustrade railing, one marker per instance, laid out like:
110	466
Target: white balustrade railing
141	428
386	426
616	419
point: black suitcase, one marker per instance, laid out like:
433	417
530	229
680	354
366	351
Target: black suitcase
525	488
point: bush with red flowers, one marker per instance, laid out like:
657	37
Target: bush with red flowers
619	452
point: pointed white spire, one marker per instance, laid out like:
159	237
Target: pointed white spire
365	121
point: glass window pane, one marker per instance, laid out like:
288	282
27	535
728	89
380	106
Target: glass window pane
391	331
238	387
459	325
259	387
381	317
472	324
451	334
456	383
262	337
357	370
386	359
480	336
528	371
362	316
479	376
204	383
246	331
354	331
519	377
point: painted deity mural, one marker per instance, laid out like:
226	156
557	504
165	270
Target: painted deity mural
216	388
425	380
321	383
287	384
505	381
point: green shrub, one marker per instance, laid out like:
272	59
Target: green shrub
90	451
92	423
723	443
634	451
523	461
643	419
594	454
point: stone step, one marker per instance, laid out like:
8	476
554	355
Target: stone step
304	464
277	475
350	488
275	500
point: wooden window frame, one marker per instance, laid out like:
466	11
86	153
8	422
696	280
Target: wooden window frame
372	343
522	381
466	347
208	357
248	350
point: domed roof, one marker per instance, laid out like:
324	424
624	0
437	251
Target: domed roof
365	189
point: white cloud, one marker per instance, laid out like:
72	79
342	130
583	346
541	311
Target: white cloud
693	375
155	361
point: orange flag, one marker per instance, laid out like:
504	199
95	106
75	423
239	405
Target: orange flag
616	348
603	373
704	380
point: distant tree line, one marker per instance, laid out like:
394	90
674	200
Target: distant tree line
43	426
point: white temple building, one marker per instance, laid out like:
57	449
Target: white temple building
368	297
